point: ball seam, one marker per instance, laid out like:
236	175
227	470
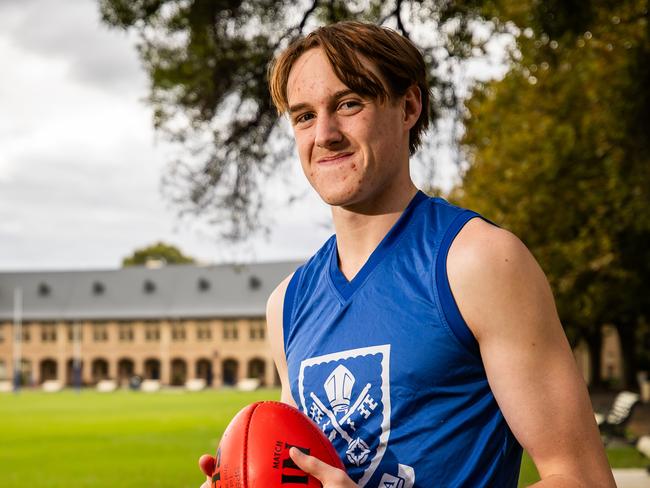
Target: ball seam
248	424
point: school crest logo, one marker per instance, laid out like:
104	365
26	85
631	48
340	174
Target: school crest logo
347	394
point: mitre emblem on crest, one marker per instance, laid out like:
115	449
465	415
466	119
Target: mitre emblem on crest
338	387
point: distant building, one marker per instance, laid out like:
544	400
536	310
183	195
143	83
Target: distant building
171	323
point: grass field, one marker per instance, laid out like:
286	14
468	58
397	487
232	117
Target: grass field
117	440
126	439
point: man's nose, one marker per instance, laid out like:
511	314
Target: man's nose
328	132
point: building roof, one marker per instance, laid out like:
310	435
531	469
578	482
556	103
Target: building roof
168	292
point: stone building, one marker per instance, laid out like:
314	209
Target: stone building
172	324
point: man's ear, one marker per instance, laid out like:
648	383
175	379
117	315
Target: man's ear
412	105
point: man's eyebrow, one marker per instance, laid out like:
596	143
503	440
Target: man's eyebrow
298	107
335	96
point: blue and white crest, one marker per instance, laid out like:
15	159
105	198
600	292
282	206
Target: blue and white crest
347	394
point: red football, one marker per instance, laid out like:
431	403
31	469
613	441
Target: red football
254	449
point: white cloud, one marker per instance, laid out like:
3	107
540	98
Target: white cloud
72	32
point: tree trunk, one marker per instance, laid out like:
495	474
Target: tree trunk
627	335
595	345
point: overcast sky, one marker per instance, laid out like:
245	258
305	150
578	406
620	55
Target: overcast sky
80	164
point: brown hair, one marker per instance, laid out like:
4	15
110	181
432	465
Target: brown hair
397	59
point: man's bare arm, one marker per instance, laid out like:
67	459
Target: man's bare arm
505	299
329	476
274	308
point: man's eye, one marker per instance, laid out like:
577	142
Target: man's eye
301	119
349	104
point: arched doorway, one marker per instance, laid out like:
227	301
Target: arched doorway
125	370
48	370
99	370
179	372
257	369
230	370
152	369
25	376
204	370
72	377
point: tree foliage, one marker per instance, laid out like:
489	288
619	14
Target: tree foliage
158	252
207	62
559	153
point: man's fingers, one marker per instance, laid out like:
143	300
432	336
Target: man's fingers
309	464
207	464
323	472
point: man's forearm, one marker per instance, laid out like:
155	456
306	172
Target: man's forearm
564	481
558	481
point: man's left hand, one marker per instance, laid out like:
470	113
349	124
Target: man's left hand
329	476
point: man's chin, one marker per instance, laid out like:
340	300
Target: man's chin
338	199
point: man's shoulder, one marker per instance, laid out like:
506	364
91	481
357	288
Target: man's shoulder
440	214
487	266
481	244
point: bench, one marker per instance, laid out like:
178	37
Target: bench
613	423
249	384
52	386
150	386
106	386
196	384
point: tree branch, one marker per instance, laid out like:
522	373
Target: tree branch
400	24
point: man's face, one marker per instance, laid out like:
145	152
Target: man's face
352	149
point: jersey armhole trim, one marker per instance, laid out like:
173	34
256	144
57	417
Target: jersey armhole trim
450	309
287	308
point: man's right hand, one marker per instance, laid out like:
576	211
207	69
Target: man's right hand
207	463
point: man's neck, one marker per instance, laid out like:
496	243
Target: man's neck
359	232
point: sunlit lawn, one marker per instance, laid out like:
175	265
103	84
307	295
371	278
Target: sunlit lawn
128	439
121	439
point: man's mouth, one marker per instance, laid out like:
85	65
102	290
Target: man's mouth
334	158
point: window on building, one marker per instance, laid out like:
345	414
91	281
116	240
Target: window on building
254	283
100	333
125	333
75	329
48	333
203	332
257	330
178	332
204	284
2	333
230	332
152	333
98	288
44	289
26	335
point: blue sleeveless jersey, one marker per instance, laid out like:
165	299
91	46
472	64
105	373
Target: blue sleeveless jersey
386	366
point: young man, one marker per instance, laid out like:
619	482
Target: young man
420	338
